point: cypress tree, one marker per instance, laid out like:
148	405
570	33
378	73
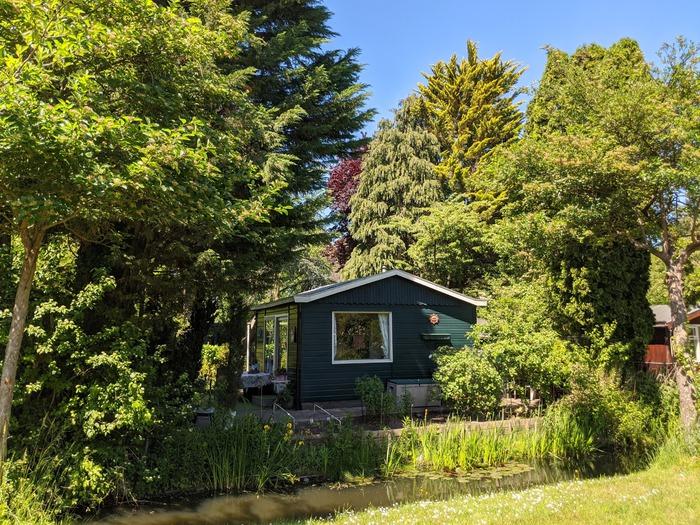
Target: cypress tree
397	185
471	107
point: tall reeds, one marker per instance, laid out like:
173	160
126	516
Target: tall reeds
456	447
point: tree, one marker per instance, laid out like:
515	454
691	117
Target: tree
520	338
627	167
451	246
470	105
397	186
295	68
592	281
78	150
342	184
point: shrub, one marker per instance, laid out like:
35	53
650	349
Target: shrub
468	381
376	402
620	418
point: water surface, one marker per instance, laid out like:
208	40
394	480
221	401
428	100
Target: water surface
325	500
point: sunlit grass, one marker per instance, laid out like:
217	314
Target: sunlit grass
659	495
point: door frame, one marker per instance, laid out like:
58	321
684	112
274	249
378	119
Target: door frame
276	318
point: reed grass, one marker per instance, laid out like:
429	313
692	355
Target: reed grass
30	488
454	447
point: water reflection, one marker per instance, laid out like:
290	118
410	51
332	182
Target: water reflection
323	501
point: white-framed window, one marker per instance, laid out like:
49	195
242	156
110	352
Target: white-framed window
362	337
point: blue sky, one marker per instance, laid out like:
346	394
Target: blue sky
400	39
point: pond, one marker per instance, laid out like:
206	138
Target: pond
325	500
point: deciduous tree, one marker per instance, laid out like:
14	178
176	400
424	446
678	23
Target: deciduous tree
78	82
621	163
342	184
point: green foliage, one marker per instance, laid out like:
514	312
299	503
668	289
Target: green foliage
519	338
469	383
196	187
343	453
24	498
242	453
376	402
214	357
471	108
397	186
618	417
231	455
451	246
119	163
564	190
456	448
298	68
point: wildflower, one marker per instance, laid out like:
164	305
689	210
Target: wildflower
266	428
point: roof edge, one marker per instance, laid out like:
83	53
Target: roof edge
308	297
272	304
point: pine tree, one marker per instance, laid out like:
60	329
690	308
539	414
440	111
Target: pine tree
397	186
471	107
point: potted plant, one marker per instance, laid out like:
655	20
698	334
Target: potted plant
285	398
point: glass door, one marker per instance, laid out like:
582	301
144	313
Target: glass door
281	345
276	344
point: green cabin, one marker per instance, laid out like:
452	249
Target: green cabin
320	341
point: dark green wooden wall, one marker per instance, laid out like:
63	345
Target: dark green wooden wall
410	304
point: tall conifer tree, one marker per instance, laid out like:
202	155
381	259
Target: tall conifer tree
397	186
593	283
471	106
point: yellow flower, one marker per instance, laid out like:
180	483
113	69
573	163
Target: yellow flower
289	425
300	443
266	428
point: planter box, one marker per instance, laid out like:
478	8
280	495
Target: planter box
423	392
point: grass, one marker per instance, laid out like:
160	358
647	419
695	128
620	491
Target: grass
667	492
28	493
455	448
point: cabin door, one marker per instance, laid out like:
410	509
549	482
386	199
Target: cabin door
276	343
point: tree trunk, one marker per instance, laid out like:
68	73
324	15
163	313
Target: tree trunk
31	239
679	341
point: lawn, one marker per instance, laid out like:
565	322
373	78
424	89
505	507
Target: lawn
662	494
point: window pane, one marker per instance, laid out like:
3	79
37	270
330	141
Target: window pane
283	348
361	336
269	344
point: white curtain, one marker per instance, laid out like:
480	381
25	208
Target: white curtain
384	327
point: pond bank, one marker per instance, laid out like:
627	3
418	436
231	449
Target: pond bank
656	496
326	500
